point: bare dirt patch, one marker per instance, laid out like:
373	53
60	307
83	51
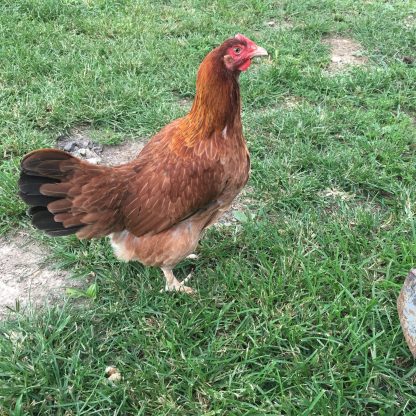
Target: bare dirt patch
344	52
79	141
117	155
26	276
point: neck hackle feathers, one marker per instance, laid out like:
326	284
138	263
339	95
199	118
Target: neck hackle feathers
217	102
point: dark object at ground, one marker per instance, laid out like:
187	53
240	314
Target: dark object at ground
409	60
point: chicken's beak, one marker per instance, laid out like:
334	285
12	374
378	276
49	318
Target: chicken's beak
258	51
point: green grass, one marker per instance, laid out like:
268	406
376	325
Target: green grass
296	310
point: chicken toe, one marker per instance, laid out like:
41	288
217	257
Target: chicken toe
174	285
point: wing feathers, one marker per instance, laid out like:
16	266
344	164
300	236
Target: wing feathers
171	187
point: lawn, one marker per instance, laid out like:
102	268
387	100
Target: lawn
296	306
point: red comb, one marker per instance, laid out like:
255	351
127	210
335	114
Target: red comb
241	37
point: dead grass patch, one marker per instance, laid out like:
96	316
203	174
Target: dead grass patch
27	278
344	52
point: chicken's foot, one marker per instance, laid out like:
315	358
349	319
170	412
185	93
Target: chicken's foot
172	284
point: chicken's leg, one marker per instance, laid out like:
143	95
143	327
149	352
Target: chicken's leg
173	284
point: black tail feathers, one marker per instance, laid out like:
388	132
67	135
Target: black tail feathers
38	168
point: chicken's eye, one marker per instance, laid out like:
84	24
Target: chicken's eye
237	50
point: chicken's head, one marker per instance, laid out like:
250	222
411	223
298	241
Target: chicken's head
239	51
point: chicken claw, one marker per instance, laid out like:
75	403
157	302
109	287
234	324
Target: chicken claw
174	285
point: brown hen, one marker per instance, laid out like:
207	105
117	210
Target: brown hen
156	207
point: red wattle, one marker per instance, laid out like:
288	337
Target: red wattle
245	65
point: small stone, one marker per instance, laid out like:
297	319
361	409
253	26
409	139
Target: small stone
97	148
87	154
69	147
94	160
272	23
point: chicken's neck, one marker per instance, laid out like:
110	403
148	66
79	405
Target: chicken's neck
216	107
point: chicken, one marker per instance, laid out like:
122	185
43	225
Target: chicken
156	207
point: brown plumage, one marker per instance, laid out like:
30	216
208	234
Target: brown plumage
154	208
